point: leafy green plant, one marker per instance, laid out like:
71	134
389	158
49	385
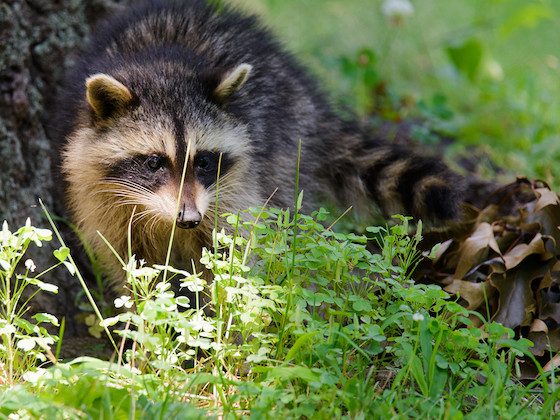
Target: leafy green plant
90	388
26	341
297	320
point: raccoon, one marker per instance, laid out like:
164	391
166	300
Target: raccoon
170	94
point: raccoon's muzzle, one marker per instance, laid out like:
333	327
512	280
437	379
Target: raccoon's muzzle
188	217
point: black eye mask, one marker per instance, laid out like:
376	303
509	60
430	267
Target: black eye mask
206	166
147	171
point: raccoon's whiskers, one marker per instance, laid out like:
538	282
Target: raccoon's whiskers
125	188
120	193
147	229
226	190
128	191
151	226
126	183
132	199
94	210
139	217
223	181
131	193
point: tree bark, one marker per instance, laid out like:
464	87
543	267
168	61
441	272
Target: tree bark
38	39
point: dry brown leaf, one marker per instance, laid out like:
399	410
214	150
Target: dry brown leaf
517	301
538	326
549	220
543	339
513	257
540	342
473	293
552	364
444	246
522	284
546	198
475	249
547	280
549	305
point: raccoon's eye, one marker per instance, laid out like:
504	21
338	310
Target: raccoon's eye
208	164
154	162
203	163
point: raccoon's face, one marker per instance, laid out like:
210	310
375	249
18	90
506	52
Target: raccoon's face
168	160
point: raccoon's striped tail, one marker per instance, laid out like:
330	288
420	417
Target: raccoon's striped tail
400	180
405	182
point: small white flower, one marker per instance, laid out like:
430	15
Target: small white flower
194	284
397	10
7	329
162	287
418	317
30	265
26	344
123	301
34	376
44	342
108	322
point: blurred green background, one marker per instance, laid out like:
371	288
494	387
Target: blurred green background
484	72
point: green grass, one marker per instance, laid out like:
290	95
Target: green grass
305	322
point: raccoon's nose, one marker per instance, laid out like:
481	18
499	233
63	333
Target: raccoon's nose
188	218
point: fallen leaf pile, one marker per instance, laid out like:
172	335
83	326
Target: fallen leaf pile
503	261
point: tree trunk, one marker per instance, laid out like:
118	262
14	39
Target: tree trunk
37	42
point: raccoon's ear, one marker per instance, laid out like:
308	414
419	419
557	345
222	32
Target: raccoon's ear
107	96
232	81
